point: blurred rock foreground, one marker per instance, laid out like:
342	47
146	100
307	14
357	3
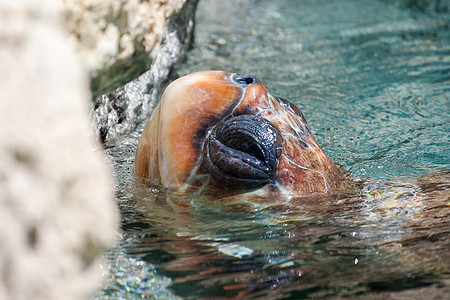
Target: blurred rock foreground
57	209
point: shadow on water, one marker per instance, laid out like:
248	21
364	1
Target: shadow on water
372	79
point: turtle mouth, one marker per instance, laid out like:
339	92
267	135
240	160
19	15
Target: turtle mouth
242	152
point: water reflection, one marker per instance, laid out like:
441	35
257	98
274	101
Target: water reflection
372	80
390	236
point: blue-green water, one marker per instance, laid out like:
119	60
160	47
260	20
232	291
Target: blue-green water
373	80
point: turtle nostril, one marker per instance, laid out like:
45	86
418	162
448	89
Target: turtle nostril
245	80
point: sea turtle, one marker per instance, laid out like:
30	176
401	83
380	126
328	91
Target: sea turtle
221	131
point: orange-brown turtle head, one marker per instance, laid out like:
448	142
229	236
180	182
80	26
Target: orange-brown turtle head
219	130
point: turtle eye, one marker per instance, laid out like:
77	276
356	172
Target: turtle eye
244	80
291	107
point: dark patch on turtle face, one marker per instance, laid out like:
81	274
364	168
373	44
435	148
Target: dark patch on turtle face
301	139
290	106
206	126
242	152
302	142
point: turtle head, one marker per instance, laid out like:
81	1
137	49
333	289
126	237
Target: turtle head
228	131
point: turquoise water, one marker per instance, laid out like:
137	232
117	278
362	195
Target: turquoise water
373	80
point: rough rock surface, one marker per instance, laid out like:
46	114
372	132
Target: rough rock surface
118	39
120	111
57	209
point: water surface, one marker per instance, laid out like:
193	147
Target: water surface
372	78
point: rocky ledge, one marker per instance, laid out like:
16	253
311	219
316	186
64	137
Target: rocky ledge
119	111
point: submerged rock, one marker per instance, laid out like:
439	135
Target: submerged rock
57	206
118	112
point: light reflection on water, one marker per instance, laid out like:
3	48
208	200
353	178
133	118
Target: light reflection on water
372	79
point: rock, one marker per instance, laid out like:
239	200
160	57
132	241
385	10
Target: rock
119	112
56	197
118	39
